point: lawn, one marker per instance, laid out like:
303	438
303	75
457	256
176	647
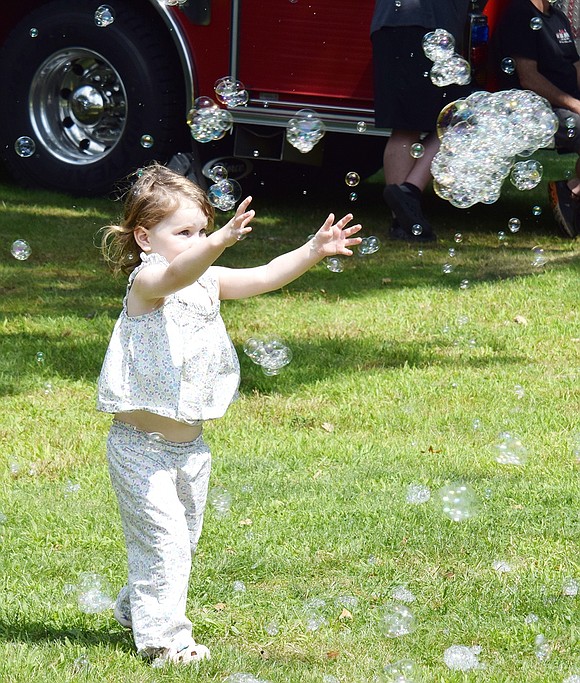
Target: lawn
401	376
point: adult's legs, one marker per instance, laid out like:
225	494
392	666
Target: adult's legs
398	164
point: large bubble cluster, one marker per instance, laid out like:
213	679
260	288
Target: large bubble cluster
480	138
305	130
271	354
448	67
231	92
208	122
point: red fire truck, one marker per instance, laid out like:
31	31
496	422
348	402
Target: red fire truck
86	95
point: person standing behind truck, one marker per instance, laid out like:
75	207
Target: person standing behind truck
407	101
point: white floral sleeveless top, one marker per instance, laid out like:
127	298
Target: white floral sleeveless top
177	361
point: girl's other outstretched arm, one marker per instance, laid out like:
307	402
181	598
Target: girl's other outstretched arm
331	239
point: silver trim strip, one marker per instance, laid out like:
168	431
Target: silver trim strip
235	28
182	48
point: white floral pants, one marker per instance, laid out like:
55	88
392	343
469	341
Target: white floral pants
161	489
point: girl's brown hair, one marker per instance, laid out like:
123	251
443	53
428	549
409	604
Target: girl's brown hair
155	194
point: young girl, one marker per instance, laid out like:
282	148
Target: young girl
170	366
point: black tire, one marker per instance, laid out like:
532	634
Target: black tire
101	89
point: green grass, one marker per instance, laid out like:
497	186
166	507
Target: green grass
393	363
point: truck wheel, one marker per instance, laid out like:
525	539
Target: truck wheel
89	104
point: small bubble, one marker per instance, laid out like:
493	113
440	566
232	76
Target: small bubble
519	391
536	210
361	126
147	141
352	179
40	358
33	33
417	229
458	237
353	196
452	253
501	236
20	249
536	23
570	587
239	587
396	620
464	284
272	628
508	65
447	268
334	264
104	16
542	648
476	424
531	618
417	494
514	224
417	150
402	594
25	147
501	567
458	501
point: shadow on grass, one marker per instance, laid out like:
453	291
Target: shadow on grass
80	358
20	630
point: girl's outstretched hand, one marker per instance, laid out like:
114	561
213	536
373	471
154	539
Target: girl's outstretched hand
336	238
237	228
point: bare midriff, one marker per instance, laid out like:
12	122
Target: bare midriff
171	430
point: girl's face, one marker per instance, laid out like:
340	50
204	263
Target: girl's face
174	234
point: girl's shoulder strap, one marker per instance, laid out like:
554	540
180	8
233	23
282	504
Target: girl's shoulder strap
146	260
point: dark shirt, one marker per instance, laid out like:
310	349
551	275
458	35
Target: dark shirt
551	46
431	14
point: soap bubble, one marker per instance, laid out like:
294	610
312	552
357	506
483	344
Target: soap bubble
403	671
402	594
501	567
525	175
572	679
575	446
396	620
519	391
305	130
352	179
458	501
40	358
33	33
452	253
224	194
81	664
147	141
93	593
481	136
464	284
570	587
539	258
416	229
361	126
417	494
536	23
272	628
447	268
508	65
353	196
25	147
239	587
221	501
334	264
536	210
271	354
510	450
458	238
369	245
531	618
542	648
231	92
462	658
417	150
104	16
455	70
207	122
217	173
20	249
438	45
514	224
501	236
